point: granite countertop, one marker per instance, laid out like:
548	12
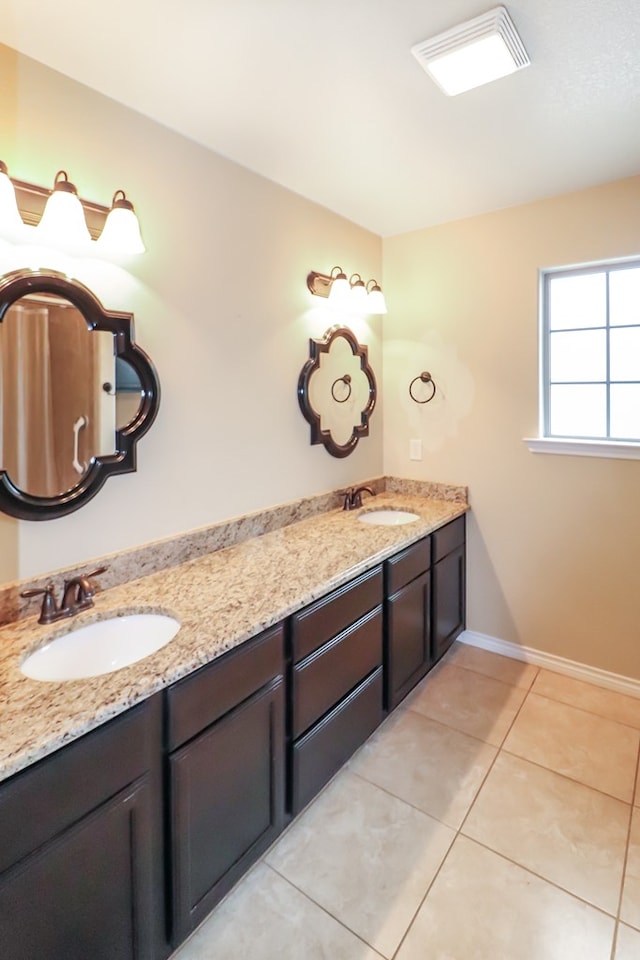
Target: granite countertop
220	600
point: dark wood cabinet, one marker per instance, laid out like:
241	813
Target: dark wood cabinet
424	608
409	638
226	774
81	856
449	585
408	620
117	846
335	668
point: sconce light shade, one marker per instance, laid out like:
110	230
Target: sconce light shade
63	219
121	232
340	292
375	298
358	293
11	224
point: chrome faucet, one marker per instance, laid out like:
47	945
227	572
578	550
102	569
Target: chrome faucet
353	497
78	594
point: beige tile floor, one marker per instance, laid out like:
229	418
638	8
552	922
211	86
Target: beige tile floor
494	816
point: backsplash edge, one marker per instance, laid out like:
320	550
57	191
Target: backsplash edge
127	565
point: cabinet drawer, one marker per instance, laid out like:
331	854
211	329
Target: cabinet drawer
319	754
312	627
408	565
447	538
204	696
42	801
321	680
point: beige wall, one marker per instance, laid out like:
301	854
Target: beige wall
554	544
220	304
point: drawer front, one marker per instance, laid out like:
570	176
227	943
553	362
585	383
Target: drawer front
321	680
325	618
407	565
42	801
319	754
204	696
447	538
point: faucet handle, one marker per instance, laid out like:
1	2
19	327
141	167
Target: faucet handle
88	594
84	589
348	499
49	607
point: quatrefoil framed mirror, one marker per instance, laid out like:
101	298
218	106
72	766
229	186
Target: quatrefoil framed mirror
76	394
337	391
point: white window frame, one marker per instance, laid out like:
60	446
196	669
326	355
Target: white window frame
573	446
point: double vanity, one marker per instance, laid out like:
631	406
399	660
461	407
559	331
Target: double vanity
133	801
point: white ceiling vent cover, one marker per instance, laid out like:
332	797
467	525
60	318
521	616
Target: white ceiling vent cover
474	53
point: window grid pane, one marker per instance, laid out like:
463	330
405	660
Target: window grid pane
591	353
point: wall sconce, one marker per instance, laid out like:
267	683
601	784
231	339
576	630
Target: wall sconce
62	219
348	294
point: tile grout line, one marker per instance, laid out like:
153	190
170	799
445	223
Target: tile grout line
458	832
625	861
590	713
325	911
580	783
539	876
556	699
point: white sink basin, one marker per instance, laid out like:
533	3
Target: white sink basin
101	647
388	518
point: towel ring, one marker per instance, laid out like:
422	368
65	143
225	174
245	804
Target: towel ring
347	382
424	377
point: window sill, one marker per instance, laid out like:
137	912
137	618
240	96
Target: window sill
611	449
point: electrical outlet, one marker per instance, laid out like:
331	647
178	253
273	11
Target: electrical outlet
415	449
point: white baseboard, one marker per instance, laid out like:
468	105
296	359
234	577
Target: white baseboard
571	668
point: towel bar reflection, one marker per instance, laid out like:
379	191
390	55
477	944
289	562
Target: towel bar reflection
346	380
77	427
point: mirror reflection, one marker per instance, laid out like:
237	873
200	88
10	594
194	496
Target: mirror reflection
337	391
63	394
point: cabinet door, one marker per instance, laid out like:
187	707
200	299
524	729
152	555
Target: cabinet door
408	638
448	600
227	803
86	893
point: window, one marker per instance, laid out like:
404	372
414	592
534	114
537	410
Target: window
591	359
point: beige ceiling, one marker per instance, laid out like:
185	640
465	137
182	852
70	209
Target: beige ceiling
326	98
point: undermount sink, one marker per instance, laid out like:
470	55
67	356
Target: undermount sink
388	518
101	647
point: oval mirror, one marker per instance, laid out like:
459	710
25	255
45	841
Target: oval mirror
76	394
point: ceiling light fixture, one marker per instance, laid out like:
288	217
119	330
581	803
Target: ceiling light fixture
350	295
473	53
63	220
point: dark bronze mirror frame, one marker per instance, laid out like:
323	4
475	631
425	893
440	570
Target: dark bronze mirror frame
316	349
25	506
